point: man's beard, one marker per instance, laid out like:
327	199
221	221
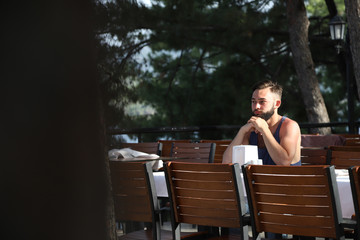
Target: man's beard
266	115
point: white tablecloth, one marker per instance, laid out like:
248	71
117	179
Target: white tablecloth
342	179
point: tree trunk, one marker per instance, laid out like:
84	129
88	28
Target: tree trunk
353	18
304	65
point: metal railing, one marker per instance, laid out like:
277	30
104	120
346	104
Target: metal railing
307	127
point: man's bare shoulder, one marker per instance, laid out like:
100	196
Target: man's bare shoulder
290	124
290	121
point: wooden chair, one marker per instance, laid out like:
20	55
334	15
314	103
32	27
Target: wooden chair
193	152
207	195
349	135
135	198
314	156
146	147
297	200
352	142
343	158
167	144
354	174
351	139
221	146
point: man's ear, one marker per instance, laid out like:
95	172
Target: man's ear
277	103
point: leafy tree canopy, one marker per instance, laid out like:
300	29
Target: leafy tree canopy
203	57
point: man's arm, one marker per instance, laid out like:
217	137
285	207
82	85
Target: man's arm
289	147
242	137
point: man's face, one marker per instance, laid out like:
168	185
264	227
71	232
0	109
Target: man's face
263	103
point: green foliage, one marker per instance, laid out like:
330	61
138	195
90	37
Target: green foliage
204	57
318	7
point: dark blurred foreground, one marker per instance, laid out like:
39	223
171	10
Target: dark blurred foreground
52	173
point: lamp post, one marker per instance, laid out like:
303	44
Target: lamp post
337	31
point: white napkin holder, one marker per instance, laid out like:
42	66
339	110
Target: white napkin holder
243	154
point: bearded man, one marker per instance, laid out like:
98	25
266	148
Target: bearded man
278	137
